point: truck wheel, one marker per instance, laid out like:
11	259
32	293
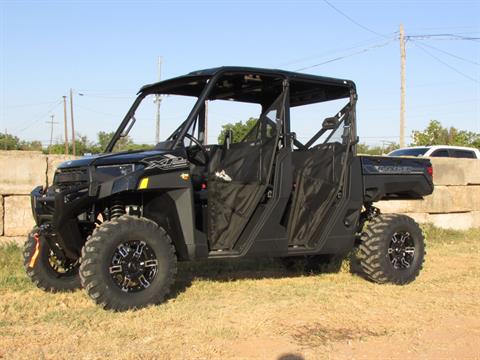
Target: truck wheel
392	249
47	271
128	263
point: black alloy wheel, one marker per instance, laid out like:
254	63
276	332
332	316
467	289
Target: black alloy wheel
401	250
134	266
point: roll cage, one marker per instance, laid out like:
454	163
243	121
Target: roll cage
252	85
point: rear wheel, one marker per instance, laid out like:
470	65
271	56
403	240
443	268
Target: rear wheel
392	249
128	263
45	269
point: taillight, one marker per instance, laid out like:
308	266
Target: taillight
430	171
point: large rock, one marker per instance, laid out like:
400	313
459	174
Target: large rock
52	162
445	199
456	221
21	171
449	171
18	219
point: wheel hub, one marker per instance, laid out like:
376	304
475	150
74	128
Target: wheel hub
134	265
63	267
401	251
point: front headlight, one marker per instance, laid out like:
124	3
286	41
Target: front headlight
106	172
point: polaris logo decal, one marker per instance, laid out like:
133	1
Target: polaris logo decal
223	175
168	162
393	169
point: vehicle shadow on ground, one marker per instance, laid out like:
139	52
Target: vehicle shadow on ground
248	269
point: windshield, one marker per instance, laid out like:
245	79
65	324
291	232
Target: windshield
409	152
153	122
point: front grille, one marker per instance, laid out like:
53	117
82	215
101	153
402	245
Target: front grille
71	177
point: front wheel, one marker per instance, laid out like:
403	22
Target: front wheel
45	269
128	263
392	249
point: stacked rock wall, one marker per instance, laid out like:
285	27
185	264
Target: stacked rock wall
20	172
454	204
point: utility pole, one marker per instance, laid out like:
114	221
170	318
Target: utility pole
158	101
51	122
65	123
402	86
5	139
73	124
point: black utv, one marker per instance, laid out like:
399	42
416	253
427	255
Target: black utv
117	224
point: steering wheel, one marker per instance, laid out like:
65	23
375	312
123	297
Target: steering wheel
202	148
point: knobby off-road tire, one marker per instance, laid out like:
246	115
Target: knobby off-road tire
385	241
45	270
128	263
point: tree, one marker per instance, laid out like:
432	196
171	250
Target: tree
104	138
436	134
240	130
82	146
9	142
33	145
377	150
123	144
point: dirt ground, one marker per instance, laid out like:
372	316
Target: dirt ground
256	310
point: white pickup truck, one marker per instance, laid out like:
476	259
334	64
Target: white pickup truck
438	151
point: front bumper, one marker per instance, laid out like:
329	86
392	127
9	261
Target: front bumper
60	208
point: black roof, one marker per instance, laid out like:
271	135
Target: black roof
304	88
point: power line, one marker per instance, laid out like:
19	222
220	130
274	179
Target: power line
347	56
352	20
39	118
444	37
335	51
107	97
32	104
450	54
420	46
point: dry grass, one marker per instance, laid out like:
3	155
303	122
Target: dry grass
254	309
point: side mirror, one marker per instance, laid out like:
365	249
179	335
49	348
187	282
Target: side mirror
227	140
330	123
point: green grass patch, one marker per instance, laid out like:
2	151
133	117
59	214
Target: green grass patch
442	236
12	273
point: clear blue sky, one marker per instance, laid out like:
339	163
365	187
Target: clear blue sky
108	49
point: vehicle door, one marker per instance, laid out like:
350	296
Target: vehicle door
239	175
319	174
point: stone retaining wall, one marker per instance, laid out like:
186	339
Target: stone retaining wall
455	202
20	172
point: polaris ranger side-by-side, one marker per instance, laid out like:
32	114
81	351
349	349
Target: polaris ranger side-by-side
116	224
